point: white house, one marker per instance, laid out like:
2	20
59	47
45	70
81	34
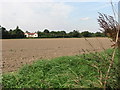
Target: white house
31	34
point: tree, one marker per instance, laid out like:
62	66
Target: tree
17	33
54	34
74	34
39	33
87	34
27	32
99	34
4	33
46	31
59	34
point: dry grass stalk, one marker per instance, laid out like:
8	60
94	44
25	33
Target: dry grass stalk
111	29
100	44
95	54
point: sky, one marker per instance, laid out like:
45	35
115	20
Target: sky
54	15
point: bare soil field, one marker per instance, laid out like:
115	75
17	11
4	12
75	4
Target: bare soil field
17	52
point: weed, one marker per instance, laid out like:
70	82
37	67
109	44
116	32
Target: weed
81	71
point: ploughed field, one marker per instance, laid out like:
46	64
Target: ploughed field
17	52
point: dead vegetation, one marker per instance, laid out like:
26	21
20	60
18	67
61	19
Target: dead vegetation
111	28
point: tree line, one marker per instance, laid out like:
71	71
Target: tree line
62	34
18	33
11	34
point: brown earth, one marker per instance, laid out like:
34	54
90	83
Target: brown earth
17	52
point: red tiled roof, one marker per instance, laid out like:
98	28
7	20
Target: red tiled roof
31	33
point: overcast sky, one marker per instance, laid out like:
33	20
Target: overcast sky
67	15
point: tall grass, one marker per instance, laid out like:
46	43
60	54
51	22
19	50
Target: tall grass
80	71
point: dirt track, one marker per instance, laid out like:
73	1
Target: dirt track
17	52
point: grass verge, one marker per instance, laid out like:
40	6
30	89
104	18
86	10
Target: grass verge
80	71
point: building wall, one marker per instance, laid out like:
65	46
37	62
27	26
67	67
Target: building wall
26	35
35	35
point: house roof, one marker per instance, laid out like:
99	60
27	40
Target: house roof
31	33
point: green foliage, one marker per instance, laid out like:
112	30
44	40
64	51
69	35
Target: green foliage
62	34
4	33
63	72
74	34
17	33
87	34
46	31
52	34
99	34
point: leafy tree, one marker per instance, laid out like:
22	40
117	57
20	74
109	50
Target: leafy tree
59	34
4	33
27	32
46	31
74	34
87	34
62	33
40	34
99	34
17	33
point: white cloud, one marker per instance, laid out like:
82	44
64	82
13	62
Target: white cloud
35	16
85	18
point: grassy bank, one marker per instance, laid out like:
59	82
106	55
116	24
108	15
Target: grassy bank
81	71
